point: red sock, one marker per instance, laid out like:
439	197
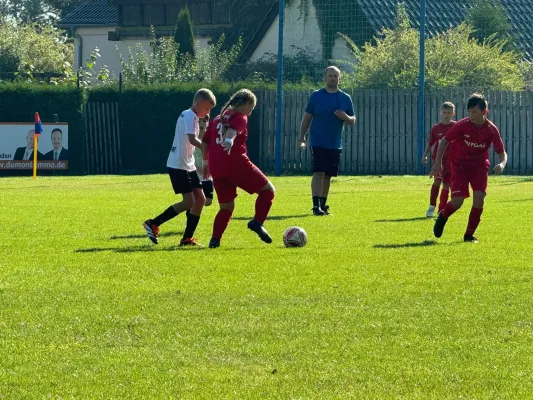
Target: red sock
221	223
443	198
448	210
262	205
434	195
473	220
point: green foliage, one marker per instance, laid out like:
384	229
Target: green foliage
42	11
453	59
165	64
30	48
184	36
489	20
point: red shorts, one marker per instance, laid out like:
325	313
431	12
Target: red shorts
462	177
247	177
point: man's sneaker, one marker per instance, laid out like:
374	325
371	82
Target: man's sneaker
325	209
152	231
317	211
438	228
261	232
190	242
214	243
430	211
470	238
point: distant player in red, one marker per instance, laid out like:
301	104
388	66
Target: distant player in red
447	111
224	147
470	163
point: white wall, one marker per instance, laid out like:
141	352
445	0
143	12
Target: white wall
297	35
97	37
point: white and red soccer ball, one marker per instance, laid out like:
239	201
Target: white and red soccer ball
294	237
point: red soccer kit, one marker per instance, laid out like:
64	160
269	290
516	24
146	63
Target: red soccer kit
438	131
233	170
470	155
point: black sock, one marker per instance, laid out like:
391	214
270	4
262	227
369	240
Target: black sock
192	223
316	201
323	201
169	213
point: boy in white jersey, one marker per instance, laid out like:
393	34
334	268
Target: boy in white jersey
207	184
182	170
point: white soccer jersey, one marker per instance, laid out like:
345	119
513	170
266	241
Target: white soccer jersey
182	152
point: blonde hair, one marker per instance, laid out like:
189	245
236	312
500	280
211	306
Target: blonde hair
204	95
239	98
447	105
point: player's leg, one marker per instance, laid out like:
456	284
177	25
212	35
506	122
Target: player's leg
250	178
226	193
193	214
479	187
459	186
317	181
180	184
333	158
434	193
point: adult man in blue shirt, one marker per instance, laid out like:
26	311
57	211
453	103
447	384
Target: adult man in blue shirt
329	109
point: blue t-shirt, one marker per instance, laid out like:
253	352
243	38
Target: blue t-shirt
326	128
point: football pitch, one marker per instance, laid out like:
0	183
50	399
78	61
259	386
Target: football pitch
374	307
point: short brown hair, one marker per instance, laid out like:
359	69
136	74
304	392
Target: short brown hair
204	95
447	105
336	69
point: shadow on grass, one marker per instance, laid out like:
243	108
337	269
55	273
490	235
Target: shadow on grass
517	200
143	235
275	217
403	219
137	249
425	243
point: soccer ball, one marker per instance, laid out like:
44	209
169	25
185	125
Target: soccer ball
294	237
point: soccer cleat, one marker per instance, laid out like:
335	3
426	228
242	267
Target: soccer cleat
214	243
261	232
438	228
152	231
317	211
470	238
430	211
325	209
190	242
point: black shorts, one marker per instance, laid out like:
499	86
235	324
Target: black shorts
326	160
207	187
184	181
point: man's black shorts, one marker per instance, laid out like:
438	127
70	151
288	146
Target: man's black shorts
184	181
326	160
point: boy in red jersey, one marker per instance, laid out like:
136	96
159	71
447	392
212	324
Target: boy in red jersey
224	147
447	111
472	137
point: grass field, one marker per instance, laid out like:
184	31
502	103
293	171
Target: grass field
372	308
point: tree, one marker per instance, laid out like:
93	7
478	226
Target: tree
488	19
44	11
184	36
26	48
453	59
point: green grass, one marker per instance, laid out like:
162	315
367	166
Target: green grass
372	308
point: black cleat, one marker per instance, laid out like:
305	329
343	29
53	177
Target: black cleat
317	211
470	238
214	243
152	230
438	228
261	232
325	208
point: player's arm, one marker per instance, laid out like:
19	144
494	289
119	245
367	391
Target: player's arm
498	169
436	168
426	152
205	156
194	140
304	126
229	138
347	116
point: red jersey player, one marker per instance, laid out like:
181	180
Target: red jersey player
224	147
470	163
447	111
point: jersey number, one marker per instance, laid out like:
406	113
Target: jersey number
221	129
